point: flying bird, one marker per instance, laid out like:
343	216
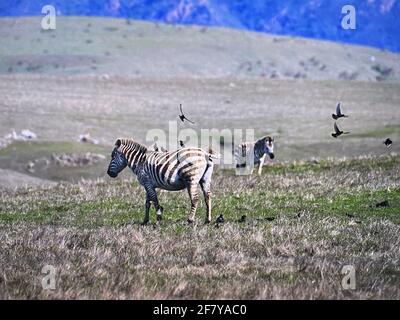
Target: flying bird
338	132
183	117
388	142
181	144
220	219
339	113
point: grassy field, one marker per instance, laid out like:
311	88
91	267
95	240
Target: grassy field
312	211
297	113
305	221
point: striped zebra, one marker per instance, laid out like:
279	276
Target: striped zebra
173	171
254	151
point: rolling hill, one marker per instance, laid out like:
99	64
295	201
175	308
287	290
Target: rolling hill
377	20
132	48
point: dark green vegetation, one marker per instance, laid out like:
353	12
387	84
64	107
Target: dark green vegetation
18	155
305	221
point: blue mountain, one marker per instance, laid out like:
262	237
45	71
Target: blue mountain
378	21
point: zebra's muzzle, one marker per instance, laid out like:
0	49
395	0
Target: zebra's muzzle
112	174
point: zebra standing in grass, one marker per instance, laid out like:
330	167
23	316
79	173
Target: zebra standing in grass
254	151
173	171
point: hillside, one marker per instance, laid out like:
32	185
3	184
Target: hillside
117	47
109	78
377	20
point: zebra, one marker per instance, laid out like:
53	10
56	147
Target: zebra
258	150
171	170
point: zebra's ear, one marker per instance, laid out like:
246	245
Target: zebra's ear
118	143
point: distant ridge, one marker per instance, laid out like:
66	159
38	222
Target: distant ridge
108	46
378	22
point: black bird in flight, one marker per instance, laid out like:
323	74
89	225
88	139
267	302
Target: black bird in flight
388	142
338	132
183	117
339	113
220	219
181	143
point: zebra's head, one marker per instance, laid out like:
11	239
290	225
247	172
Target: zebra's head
269	147
118	161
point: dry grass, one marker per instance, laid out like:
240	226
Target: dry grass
90	232
297	113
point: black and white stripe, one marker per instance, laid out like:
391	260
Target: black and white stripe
185	168
249	154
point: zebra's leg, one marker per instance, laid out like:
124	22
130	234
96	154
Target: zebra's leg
158	207
260	166
205	184
194	199
147	210
151	196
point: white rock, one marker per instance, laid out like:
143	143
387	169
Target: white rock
27	134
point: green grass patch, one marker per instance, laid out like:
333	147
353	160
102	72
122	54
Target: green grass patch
386	162
17	155
115	211
383	132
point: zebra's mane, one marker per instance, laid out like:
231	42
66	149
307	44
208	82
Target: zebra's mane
130	145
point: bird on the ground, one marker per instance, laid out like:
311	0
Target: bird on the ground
181	143
243	218
349	215
270	218
183	117
338	132
388	142
220	219
383	204
339	113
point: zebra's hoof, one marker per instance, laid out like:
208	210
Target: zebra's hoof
159	217
207	221
144	223
190	221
